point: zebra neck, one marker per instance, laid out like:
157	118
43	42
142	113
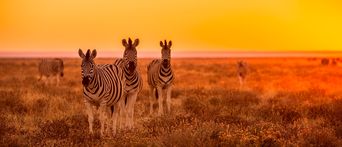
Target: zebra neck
165	71
128	73
94	83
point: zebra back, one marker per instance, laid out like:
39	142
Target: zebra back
51	67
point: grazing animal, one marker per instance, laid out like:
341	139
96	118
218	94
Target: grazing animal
325	61
241	72
334	62
50	68
103	87
160	78
134	81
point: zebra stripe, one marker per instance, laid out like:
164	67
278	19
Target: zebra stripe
159	75
50	68
160	78
106	87
134	81
103	87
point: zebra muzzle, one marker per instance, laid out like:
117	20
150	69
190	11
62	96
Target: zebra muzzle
85	81
131	66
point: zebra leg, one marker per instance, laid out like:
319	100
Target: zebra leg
122	113
114	118
160	100
168	98
127	111
57	80
131	102
90	117
50	80
240	81
46	81
102	116
108	119
40	77
152	99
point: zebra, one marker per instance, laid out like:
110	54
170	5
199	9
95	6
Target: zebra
241	72
134	81
325	61
49	68
160	78
103	87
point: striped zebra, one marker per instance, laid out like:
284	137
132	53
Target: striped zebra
134	81
103	87
50	68
241	72
160	78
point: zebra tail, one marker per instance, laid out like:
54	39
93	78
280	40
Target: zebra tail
156	94
111	110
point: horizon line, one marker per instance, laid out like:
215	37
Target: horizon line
185	54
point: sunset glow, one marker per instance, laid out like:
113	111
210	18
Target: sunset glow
193	25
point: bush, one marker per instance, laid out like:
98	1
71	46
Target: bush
10	101
57	129
68	131
318	136
239	98
194	106
324	61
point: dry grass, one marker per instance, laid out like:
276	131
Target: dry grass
286	102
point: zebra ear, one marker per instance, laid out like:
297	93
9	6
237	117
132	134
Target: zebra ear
161	44
170	44
136	42
88	54
124	42
93	54
80	53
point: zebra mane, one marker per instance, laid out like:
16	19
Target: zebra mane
165	45
129	42
88	54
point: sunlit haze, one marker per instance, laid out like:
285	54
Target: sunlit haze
193	25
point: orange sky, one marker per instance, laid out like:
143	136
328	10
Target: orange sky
192	25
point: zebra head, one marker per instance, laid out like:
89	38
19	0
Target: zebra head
241	64
166	53
88	65
130	53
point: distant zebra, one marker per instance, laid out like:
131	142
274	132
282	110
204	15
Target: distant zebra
160	78
103	87
325	61
134	81
51	67
334	61
241	72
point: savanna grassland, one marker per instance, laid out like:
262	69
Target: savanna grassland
285	102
